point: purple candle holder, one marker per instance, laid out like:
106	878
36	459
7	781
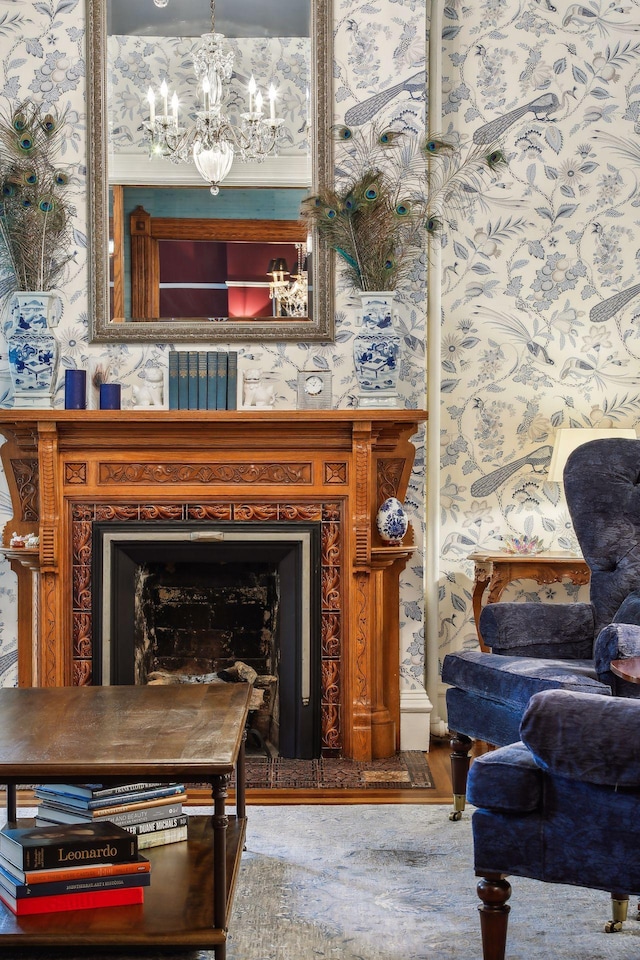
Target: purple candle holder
110	396
75	389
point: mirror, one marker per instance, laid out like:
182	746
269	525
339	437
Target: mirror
148	215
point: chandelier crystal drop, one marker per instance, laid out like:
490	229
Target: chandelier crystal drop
212	141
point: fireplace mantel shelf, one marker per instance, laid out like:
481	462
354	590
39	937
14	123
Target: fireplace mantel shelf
67	469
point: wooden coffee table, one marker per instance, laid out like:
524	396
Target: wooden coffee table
191	733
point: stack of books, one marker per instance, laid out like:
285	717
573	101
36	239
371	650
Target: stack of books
151	811
70	867
203	380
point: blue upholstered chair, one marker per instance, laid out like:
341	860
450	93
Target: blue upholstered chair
567	646
560	806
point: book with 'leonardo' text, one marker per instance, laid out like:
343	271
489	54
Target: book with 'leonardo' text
36	848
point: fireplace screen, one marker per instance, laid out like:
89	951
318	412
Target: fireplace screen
208	604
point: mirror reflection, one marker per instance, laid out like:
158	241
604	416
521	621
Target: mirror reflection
192	236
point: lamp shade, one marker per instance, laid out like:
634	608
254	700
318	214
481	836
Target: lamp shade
567	440
279	265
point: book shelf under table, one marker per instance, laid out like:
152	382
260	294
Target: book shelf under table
192	736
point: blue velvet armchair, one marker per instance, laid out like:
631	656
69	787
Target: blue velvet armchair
566	646
558	807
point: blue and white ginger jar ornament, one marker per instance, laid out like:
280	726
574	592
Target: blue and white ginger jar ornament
392	521
376	351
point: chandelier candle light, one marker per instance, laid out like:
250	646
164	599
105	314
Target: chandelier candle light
213	140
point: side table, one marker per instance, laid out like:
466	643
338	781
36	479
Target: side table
628	669
496	570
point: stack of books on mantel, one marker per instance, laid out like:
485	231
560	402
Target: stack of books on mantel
151	811
70	867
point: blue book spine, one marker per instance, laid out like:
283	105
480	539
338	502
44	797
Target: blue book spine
173	380
193	379
202	380
232	381
212	380
183	380
221	395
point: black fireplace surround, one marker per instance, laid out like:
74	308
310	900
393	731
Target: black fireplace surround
205	603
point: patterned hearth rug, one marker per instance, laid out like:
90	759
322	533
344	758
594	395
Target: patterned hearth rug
405	770
383	882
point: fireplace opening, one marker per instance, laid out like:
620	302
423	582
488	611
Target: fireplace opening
202	603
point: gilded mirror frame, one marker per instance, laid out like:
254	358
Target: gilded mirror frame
320	326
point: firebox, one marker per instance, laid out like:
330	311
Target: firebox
189	602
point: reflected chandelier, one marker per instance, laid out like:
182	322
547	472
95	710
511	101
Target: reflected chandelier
213	141
291	296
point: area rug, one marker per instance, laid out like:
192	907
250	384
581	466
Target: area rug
385	882
408	769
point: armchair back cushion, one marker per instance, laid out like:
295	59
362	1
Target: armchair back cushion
602	487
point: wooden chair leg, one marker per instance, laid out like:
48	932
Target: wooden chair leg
494	891
460	760
619	909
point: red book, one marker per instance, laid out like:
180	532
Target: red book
73	901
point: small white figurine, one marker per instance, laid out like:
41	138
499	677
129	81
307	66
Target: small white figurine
256	392
151	394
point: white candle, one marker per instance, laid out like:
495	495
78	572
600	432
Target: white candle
151	97
272	102
258	102
252	90
164	91
174	109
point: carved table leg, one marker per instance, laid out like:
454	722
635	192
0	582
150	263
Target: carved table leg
460	759
220	824
494	891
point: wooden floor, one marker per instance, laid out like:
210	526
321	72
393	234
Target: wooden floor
438	758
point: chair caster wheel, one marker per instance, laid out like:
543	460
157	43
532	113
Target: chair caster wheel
455	815
613	926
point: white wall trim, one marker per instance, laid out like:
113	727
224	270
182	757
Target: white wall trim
415	719
137	168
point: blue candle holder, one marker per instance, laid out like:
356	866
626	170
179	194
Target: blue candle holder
75	389
110	396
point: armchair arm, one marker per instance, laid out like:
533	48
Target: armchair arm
563	630
617	641
584	736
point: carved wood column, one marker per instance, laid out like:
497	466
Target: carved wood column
145	266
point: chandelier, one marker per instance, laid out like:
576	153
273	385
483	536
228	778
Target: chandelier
290	297
212	141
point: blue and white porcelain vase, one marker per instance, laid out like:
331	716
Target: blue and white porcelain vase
32	348
376	350
392	521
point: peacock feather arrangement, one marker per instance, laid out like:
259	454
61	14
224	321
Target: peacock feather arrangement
35	214
392	191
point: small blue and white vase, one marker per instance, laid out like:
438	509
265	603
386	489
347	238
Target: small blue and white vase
392	521
376	350
32	348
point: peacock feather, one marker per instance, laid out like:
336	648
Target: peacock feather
35	213
392	192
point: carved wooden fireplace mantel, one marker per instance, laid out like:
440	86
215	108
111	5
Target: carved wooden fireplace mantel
67	470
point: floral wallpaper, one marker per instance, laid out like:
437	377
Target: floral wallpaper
541	306
540	324
42	52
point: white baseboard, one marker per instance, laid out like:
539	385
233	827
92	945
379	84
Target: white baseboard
415	719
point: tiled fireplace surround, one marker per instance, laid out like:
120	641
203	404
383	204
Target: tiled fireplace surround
68	470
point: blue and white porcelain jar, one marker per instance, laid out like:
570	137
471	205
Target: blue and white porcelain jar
32	348
376	350
392	521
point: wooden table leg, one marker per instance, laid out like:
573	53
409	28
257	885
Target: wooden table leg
219	786
241	810
12	808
